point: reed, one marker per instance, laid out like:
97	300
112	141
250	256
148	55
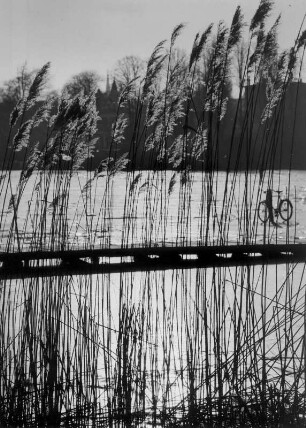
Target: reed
211	347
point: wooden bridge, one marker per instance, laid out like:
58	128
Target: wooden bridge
112	260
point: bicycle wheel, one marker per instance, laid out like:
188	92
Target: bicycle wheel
263	212
285	209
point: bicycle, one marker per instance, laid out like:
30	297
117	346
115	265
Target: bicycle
284	207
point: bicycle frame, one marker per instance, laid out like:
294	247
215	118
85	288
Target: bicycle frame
266	210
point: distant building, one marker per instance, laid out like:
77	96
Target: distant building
114	93
108	88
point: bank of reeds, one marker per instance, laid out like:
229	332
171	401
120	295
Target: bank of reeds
206	347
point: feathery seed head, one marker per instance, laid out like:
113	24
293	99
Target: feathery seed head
38	84
156	65
128	91
15	113
204	38
271	45
194	50
261	14
221	37
176	32
302	40
236	28
198	45
22	137
260	43
292	60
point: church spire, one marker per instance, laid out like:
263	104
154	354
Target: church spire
108	87
114	94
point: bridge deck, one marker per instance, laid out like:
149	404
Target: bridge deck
109	260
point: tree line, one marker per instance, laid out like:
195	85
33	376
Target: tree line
179	106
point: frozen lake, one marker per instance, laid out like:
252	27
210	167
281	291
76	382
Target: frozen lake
147	208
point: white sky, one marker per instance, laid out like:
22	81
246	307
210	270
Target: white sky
79	35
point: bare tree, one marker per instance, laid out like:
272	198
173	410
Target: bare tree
209	67
15	89
129	68
84	83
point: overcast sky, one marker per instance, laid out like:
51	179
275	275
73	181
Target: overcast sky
79	35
